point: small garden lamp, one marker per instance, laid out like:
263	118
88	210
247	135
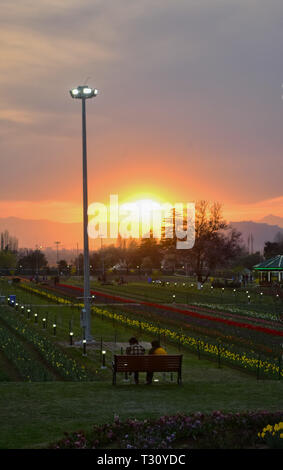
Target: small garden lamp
71	338
103	359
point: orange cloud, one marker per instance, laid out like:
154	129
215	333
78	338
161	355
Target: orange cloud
254	211
56	211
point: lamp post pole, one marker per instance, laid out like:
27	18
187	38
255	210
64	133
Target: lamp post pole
85	224
84	93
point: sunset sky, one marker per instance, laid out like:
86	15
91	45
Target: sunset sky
189	107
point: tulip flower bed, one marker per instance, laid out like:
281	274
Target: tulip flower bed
59	299
28	367
63	365
195	431
272	436
206	330
219	351
258	304
220	321
269	318
261	339
222	350
188	313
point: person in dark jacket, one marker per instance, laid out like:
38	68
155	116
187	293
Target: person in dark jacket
135	349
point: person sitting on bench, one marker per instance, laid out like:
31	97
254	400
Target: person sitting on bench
156	349
135	349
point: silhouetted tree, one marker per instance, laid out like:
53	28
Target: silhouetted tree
33	260
149	248
272	249
63	266
247	260
8	260
7	242
216	244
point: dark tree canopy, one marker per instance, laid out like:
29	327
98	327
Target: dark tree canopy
216	244
33	260
272	249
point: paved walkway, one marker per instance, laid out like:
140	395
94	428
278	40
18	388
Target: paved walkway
108	345
117	346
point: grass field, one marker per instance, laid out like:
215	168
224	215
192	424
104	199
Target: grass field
34	414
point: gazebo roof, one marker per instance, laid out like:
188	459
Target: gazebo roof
272	264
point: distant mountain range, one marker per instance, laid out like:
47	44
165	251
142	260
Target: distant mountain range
272	220
44	232
261	232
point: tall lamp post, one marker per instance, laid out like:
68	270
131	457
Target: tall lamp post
83	93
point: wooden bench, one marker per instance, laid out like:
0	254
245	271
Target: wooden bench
148	363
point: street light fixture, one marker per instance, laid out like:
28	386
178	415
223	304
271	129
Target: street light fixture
83	93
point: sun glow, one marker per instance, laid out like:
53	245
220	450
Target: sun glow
147	205
131	219
149	212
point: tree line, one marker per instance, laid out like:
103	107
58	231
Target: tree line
217	246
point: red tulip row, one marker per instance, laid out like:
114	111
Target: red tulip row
261	329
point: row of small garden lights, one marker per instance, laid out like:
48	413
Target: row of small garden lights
202	286
44	325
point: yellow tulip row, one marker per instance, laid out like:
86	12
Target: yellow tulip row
238	358
48	295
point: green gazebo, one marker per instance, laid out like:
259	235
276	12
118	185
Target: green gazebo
270	267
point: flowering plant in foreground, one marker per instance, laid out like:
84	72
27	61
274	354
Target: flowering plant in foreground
196	430
272	436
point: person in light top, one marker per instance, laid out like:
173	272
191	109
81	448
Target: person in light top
156	349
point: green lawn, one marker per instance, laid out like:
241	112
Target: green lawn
34	414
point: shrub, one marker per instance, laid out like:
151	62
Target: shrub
226	284
212	431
